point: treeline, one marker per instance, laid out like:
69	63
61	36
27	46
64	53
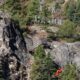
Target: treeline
70	28
72	11
32	11
26	11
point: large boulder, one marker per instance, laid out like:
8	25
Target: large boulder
64	53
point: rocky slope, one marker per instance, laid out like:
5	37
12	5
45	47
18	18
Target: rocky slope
66	53
14	50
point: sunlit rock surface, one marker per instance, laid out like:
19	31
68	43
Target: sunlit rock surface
64	53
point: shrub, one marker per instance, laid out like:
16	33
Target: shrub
42	65
67	30
69	73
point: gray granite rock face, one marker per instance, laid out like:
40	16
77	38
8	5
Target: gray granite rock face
3	17
12	44
63	53
13	39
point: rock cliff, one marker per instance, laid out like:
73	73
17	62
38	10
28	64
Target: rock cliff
13	50
64	53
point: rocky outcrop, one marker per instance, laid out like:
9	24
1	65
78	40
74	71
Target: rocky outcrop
64	53
14	40
13	49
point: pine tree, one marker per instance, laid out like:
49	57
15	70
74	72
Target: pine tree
72	11
42	65
22	10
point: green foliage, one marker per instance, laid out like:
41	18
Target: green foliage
41	65
17	9
22	10
33	10
77	13
39	52
38	71
44	15
67	29
72	11
57	6
78	5
27	12
62	1
69	73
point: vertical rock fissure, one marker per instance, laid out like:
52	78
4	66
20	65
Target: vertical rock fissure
14	52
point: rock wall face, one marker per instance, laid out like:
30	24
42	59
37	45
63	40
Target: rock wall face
13	50
14	40
64	53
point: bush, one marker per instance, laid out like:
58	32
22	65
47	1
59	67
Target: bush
72	11
42	65
69	73
22	10
67	30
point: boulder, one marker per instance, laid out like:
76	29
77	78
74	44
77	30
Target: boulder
64	53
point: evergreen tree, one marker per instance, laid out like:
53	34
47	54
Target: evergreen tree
45	15
27	11
42	66
17	9
22	10
72	11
